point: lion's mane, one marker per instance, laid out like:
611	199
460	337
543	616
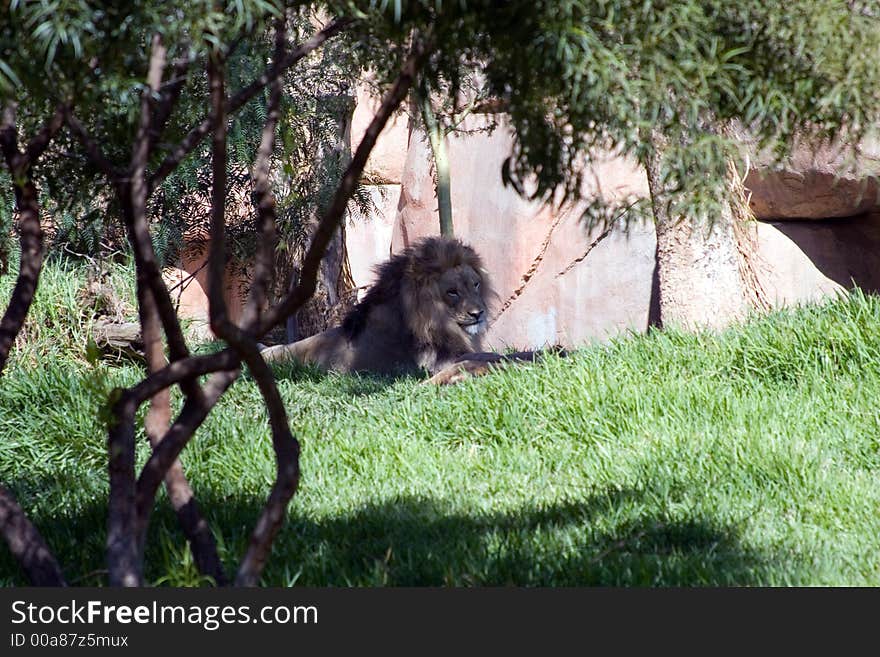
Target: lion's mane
403	324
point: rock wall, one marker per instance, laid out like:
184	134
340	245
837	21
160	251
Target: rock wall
558	282
806	260
561	282
816	181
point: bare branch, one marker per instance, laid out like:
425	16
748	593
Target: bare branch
265	199
245	95
93	150
201	540
270	520
123	565
181	370
25	542
135	210
198	533
27	545
126	531
334	214
286	463
168	96
131	503
217	253
285	445
31	263
30	229
195	410
123	553
162	462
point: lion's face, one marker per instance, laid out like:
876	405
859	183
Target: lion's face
427	307
460	290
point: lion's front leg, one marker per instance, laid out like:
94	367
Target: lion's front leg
462	369
480	363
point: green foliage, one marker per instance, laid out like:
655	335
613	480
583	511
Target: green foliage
106	95
614	71
575	76
580	76
749	457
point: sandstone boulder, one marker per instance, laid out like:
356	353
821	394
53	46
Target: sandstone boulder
386	163
541	258
368	238
191	299
831	180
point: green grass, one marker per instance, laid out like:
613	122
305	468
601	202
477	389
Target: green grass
750	457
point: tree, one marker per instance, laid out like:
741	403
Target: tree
438	125
573	77
437	139
666	82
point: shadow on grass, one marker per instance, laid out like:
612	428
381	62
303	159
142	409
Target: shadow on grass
423	542
335	384
295	372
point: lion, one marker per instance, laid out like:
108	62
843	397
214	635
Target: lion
425	311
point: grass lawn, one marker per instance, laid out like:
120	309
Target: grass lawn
750	457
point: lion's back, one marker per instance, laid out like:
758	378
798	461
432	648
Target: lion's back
377	351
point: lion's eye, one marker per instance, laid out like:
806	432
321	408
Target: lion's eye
477	285
452	293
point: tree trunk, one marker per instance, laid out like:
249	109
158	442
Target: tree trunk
335	286
706	268
442	180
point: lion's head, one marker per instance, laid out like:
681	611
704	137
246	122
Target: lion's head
437	289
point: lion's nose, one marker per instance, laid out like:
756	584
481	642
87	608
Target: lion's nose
477	314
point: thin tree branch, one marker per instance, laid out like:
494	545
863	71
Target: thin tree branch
335	212
92	149
124	523
195	410
30	230
180	493
197	406
169	94
217	255
123	565
181	370
287	452
245	95
25	542
265	199
122	536
135	210
286	482
285	445
27	545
